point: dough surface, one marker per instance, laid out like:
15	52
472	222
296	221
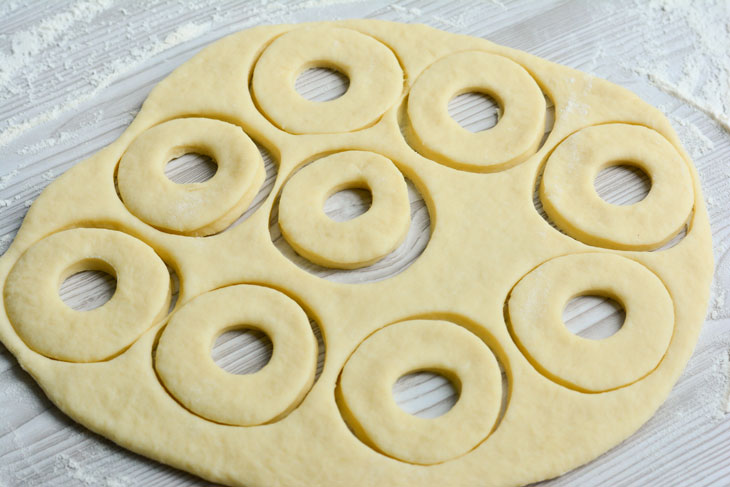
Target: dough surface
484	297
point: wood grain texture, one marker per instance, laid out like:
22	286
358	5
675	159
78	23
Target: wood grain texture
78	87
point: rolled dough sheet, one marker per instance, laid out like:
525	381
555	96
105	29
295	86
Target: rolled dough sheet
484	296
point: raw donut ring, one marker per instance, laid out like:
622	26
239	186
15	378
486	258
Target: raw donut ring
535	312
366	399
52	328
570	199
195	209
438	136
376	80
354	243
185	366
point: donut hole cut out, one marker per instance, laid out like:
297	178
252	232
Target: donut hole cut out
52	328
425	394
475	111
594	317
322	84
191	168
374	73
534	317
186	367
192	209
622	184
512	140
570	199
364	391
244	350
90	287
347	204
248	350
393	263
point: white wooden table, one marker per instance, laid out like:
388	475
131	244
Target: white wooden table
74	73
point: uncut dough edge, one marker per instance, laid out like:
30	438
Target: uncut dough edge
136	412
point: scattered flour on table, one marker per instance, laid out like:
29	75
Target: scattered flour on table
702	80
101	79
88	475
696	143
721	371
6	179
38	62
718	302
30	71
725	364
703	392
26	44
5	242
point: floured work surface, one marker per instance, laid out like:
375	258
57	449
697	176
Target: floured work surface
481	305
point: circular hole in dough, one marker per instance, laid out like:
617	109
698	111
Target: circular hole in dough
425	394
475	111
89	288
194	209
175	287
416	241
570	200
191	168
347	204
186	367
374	73
242	351
355	243
535	308
322	84
438	136
364	393
594	317
622	184
52	328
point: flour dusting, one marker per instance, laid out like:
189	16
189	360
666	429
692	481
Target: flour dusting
702	80
88	475
26	44
100	79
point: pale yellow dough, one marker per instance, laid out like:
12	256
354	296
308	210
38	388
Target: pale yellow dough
433	345
486	293
439	136
535	318
186	368
569	197
193	208
142	295
355	55
354	243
